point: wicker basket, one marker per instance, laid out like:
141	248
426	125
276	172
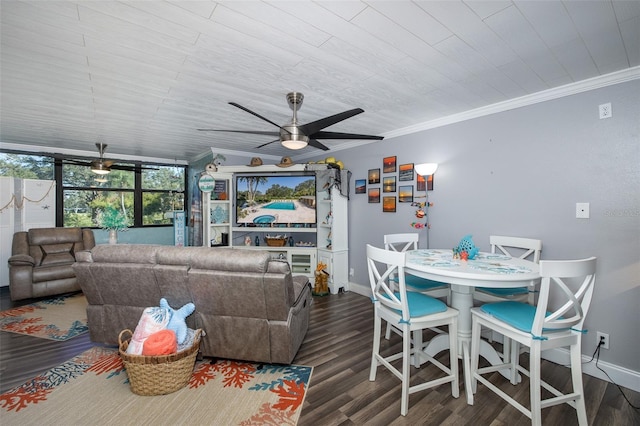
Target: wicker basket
158	375
276	241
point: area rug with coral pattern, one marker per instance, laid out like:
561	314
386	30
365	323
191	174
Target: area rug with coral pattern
58	318
93	388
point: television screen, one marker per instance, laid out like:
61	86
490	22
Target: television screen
276	200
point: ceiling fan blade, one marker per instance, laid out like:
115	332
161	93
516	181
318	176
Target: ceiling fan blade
316	126
338	135
265	144
253	132
314	143
253	113
76	162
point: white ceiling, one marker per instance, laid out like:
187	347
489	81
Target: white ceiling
142	76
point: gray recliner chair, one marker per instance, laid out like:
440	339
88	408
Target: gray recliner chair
41	259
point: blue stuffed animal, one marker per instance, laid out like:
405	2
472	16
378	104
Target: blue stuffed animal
466	244
177	318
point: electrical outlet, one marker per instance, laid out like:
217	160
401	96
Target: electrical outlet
604	337
352	272
605	110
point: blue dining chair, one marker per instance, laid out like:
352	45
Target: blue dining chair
542	327
410	312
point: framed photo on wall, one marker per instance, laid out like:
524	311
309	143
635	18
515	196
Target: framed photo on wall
374	195
389	184
406	172
361	186
374	176
389	164
405	194
389	204
421	185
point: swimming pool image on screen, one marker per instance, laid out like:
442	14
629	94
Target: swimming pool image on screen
275	200
281	205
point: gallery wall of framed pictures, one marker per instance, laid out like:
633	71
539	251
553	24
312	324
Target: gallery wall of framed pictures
392	178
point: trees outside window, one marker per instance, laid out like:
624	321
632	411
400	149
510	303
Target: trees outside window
147	197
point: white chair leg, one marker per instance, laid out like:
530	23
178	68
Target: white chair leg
417	348
377	326
453	357
387	334
534	385
514	358
476	329
406	370
576	378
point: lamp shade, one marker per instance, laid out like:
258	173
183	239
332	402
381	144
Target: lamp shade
426	169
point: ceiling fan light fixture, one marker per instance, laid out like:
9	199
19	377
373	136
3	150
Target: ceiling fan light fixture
99	168
293	143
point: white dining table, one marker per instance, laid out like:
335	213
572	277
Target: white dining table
485	270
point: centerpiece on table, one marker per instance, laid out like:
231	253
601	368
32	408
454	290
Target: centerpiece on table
113	220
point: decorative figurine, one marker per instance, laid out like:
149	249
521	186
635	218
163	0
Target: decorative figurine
466	245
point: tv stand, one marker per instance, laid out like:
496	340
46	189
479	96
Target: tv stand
325	241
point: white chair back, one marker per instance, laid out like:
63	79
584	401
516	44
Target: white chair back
562	275
506	246
401	242
383	266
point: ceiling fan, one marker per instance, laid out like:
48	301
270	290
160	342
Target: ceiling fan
101	166
294	135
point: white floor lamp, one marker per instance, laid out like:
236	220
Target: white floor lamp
425	170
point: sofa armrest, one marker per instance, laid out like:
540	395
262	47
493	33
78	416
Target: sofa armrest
21	260
84	256
20	243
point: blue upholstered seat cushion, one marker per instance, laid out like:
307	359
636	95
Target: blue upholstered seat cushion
517	314
421	304
503	292
421	283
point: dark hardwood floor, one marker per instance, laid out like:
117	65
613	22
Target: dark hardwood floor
338	346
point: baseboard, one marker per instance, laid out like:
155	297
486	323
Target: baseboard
622	376
363	290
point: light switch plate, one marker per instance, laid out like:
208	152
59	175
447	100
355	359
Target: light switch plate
582	210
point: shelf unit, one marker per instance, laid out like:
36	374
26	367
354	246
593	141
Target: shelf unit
328	239
217	212
333	232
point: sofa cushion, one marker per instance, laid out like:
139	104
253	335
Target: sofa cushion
57	254
52	273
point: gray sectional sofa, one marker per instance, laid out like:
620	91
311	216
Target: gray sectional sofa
249	305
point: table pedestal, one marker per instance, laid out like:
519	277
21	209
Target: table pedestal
462	300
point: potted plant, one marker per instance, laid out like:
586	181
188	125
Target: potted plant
113	220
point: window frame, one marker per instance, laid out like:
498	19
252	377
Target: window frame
137	191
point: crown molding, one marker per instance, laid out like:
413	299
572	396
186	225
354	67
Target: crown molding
617	77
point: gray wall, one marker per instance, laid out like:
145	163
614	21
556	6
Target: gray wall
520	173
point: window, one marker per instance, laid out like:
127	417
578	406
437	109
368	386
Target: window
147	194
162	193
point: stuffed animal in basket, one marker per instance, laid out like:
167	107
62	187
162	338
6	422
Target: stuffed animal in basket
152	320
177	319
